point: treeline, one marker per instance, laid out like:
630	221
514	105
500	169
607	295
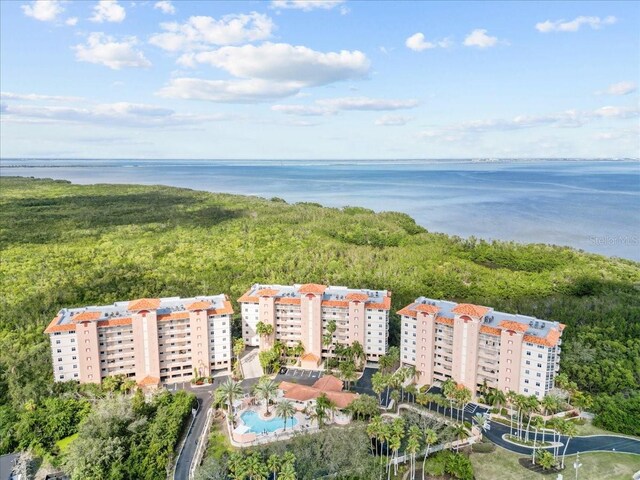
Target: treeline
67	245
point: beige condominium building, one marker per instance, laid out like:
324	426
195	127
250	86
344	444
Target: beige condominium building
301	313
153	340
476	345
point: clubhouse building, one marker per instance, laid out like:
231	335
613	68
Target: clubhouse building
301	313
475	345
153	340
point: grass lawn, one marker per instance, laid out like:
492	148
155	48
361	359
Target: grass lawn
595	466
589	429
64	443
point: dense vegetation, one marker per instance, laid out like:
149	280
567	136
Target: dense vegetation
68	245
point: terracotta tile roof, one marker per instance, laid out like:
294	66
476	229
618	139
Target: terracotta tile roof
246	298
226	309
489	330
288	301
54	327
470	309
342	399
199	305
328	383
515	326
314	288
303	393
385	305
310	357
445	320
431	309
86	316
267	292
114	322
173	316
335	303
149	381
551	340
407	312
356	297
144	304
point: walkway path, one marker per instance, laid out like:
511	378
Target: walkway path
250	363
185	459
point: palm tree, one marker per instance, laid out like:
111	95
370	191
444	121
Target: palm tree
236	466
549	404
264	330
331	329
373	430
511	397
460	432
413	444
265	390
570	430
358	354
273	464
430	437
238	348
288	472
348	372
532	404
496	398
448	389
412	391
463	397
254	468
285	410
546	459
557	426
322	405
128	385
378	384
395	396
227	393
397	433
538	424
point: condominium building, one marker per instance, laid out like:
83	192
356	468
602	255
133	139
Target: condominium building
476	345
301	313
153	340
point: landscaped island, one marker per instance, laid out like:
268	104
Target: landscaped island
70	245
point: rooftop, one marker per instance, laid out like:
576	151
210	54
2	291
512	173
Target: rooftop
68	317
330	293
539	331
329	385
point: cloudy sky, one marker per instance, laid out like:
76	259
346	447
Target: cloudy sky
319	79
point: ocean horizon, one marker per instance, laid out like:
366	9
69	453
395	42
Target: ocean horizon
591	205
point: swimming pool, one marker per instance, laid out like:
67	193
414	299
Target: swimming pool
256	424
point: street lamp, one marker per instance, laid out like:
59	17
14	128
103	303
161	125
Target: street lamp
577	464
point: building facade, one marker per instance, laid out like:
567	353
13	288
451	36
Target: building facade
153	340
301	313
476	345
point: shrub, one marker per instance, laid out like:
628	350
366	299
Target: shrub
483	447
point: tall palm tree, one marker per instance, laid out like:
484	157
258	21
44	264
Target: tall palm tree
322	405
496	398
285	410
430	437
236	466
254	468
511	397
373	429
538	424
460	432
265	390
358	354
378	384
395	441
273	464
227	393
413	445
532	404
263	330
348	372
287	472
556	425
238	348
570	430
448	389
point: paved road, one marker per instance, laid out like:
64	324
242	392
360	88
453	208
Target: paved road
576	444
203	395
363	385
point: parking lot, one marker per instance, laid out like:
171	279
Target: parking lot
298	375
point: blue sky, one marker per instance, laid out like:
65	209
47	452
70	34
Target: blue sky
319	79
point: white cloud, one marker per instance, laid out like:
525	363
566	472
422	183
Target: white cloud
165	6
110	114
621	88
308	5
568	118
71	21
392	120
331	106
201	32
38	97
479	38
575	24
417	43
43	10
108	11
228	91
284	63
105	50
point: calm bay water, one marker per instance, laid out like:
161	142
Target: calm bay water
590	205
